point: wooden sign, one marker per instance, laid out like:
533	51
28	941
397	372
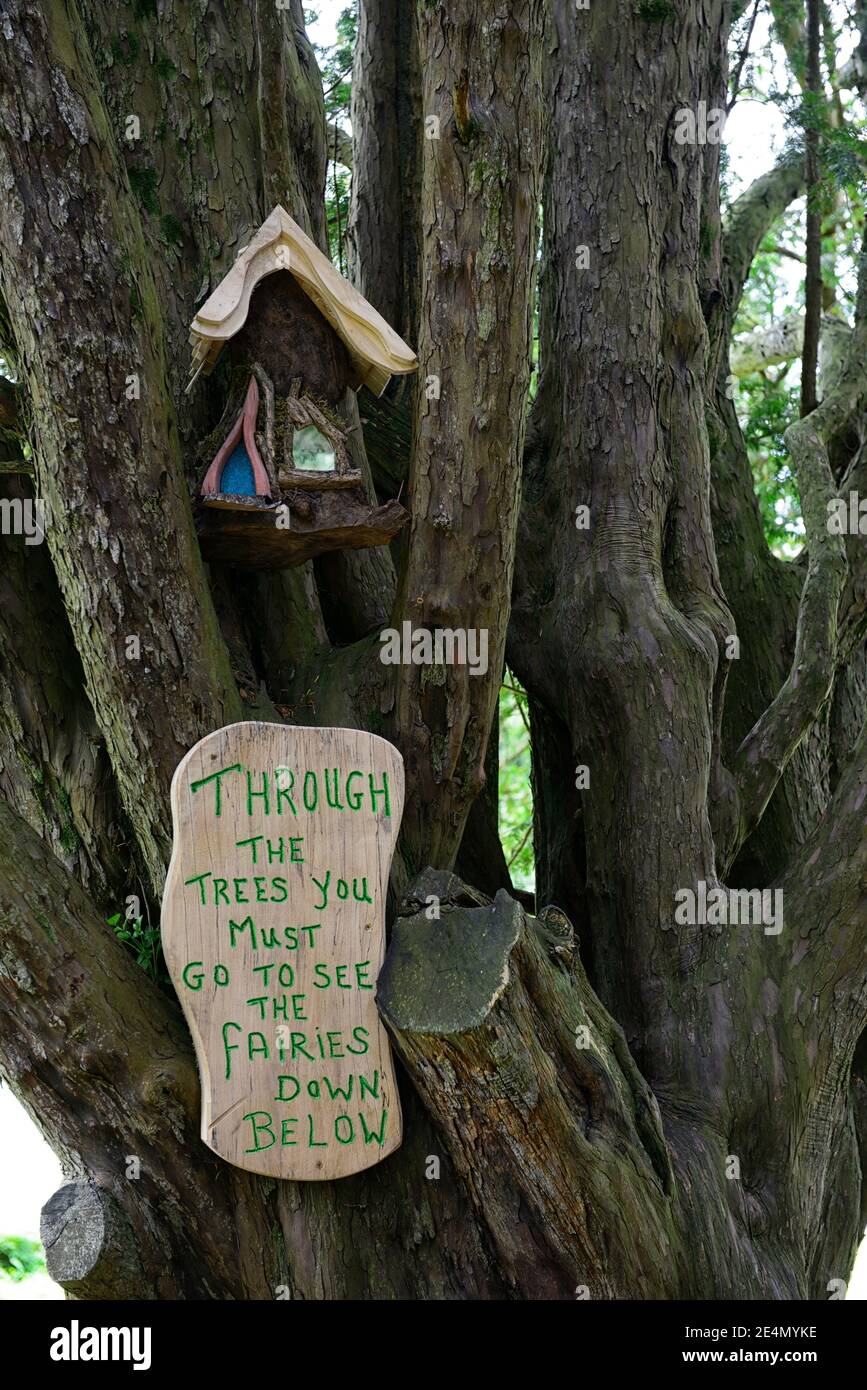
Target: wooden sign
273	931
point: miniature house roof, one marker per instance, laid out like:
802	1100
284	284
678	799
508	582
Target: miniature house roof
376	351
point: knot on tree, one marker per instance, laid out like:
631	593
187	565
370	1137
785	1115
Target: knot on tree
467	118
556	933
90	1247
445	971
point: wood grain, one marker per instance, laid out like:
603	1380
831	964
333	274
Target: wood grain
276	983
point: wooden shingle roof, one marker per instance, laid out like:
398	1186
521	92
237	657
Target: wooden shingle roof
376	351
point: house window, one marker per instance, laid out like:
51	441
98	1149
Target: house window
312	451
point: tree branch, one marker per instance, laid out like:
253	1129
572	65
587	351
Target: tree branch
768	345
742	57
102	1062
813	292
339	144
826	885
533	1087
749	219
782	341
119	524
791	33
465	476
54	770
766	750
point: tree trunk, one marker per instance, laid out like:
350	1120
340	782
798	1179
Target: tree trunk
598	1096
384	219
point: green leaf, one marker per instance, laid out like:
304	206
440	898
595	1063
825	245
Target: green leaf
20	1257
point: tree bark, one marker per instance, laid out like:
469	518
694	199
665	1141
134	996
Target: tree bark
86	319
385	214
813	280
483	83
576	1080
619	630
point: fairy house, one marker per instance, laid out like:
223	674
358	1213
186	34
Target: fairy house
281	482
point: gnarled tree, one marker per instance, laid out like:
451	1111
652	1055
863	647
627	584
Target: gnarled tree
585	1073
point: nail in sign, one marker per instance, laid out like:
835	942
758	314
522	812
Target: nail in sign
273	931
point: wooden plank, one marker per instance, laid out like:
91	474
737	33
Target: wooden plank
273	932
244	532
238	502
313	480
